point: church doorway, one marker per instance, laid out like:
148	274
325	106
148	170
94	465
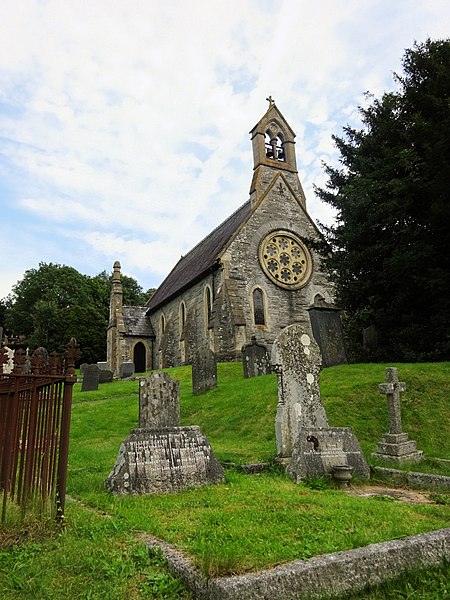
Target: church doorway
139	358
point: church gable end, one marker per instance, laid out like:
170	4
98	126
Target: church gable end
255	274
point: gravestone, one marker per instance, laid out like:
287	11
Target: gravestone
327	329
204	370
127	369
305	442
296	360
255	359
90	379
83	368
160	456
105	375
41	354
103	364
371	337
395	445
159	401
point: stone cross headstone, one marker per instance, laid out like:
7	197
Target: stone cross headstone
395	445
159	401
305	442
255	359
90	379
160	456
204	370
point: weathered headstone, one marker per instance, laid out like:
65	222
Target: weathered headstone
159	401
126	369
204	370
90	379
83	368
255	359
160	456
105	376
304	439
42	354
296	360
371	337
395	445
103	365
328	332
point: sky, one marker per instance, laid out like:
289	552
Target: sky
124	123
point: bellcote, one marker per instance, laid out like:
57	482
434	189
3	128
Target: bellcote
273	141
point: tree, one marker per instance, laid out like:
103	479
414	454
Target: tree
390	244
53	303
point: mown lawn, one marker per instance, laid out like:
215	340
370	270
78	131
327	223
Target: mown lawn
248	522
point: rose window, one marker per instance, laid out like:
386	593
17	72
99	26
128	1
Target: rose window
285	259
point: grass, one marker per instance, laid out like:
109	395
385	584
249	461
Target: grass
249	522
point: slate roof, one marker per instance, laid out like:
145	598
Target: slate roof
136	322
194	265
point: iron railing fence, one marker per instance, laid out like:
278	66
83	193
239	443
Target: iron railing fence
35	409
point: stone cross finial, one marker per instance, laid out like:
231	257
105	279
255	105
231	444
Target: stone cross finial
271	101
392	388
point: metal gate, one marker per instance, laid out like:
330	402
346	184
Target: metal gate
35	408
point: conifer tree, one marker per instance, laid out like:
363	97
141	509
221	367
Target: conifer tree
391	239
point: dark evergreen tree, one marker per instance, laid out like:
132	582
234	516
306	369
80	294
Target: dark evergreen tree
391	239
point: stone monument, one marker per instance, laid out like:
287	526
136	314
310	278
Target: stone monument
327	329
91	378
395	445
305	441
255	359
204	370
159	401
126	369
160	456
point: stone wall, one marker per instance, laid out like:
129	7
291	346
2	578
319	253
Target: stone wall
232	321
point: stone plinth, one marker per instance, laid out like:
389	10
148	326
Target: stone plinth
161	461
317	451
398	448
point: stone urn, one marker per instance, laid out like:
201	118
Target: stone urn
342	475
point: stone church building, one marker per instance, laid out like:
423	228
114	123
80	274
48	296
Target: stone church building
252	276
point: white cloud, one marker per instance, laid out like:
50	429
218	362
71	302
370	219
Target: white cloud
125	124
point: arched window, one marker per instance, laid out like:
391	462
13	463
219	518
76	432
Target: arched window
162	325
258	307
182	316
208	305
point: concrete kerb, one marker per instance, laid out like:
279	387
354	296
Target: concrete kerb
328	575
412	479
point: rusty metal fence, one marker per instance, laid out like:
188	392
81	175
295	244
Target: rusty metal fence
35	409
